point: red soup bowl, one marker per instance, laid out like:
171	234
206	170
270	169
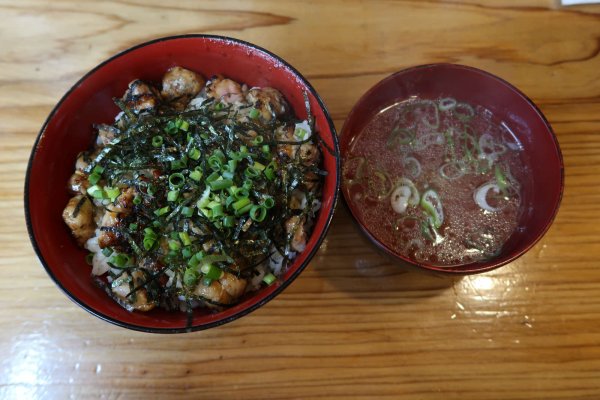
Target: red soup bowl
540	150
69	130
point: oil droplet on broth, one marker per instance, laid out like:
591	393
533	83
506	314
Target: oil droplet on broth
441	137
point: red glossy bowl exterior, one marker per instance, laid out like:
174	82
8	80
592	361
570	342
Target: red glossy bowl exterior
68	131
478	87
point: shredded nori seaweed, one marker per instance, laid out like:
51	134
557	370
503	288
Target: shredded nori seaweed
132	160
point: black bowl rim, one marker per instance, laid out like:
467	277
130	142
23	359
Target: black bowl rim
472	268
254	306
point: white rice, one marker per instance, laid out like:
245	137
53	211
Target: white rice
100	261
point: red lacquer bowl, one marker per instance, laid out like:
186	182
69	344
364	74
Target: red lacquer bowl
508	104
68	130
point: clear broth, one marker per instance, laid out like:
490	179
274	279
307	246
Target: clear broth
454	150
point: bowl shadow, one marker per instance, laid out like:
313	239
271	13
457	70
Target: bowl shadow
351	263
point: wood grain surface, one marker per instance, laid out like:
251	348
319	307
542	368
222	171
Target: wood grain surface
353	325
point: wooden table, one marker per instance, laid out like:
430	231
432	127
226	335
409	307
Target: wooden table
354	325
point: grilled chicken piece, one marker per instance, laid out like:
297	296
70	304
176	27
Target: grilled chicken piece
78	183
225	290
106	134
286	134
224	90
309	154
79	217
268	101
108	238
295	227
139	300
180	85
141	97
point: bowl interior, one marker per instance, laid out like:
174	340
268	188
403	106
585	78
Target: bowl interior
508	104
69	131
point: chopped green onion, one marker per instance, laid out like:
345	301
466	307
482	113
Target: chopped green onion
269	278
89	258
179	164
300	133
205	212
432	204
190	276
229	221
96	192
207	281
251	172
149	232
229	200
148	243
232	165
107	251
98	169
501	179
133	227
254	113
171	256
196	175
244	209
220	184
215	163
241	193
186	252
194	153
94	178
137	200
151	189
211	271
266	149
172	195
112	193
150	238
161	211
257	140
184	126
157	141
269	202
219	106
193	262
187	211
212	177
241	203
185	238
258	166
120	260
176	180
213	203
171	127
217	210
235	155
258	213
174	245
269	173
